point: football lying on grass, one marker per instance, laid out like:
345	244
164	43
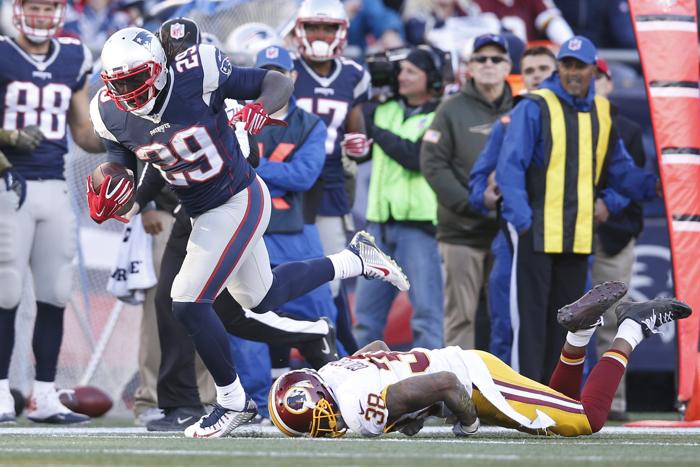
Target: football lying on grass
87	400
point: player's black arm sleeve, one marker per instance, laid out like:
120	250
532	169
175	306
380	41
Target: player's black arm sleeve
403	151
418	392
254	154
119	154
150	185
275	91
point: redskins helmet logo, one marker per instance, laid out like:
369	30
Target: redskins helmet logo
297	399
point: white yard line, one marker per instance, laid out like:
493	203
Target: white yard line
269	431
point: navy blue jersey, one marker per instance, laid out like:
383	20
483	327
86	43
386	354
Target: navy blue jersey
188	139
38	92
331	98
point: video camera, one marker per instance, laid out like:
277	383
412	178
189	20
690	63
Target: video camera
384	70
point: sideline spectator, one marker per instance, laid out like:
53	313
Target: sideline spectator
616	233
538	63
401	206
450	148
95	22
291	160
530	19
372	18
333	88
560	140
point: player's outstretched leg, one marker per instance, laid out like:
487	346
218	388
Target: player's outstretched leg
375	263
234	407
581	318
635	322
361	257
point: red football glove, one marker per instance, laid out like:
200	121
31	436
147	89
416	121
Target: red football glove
255	118
355	145
107	204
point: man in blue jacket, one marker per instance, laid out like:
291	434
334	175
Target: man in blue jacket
559	148
291	160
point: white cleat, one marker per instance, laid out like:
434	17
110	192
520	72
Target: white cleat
375	263
47	408
221	421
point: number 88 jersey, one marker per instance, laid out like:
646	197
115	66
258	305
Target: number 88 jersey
359	382
38	92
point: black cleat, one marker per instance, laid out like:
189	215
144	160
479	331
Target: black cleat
321	351
652	314
587	311
176	419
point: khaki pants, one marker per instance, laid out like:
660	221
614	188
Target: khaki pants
609	268
466	273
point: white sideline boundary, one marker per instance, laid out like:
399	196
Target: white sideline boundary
270	431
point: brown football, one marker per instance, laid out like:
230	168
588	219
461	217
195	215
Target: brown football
116	172
87	400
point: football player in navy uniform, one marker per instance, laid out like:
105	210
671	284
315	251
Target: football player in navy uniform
174	118
333	88
43	83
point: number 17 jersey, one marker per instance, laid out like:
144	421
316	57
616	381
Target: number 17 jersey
332	98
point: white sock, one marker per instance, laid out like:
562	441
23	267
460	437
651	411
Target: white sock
42	387
4	386
631	331
346	264
231	396
580	338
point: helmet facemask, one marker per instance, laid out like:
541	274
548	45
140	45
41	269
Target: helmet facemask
36	26
319	45
135	88
326	421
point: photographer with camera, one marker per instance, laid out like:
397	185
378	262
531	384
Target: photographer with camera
401	206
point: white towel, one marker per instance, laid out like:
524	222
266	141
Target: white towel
133	274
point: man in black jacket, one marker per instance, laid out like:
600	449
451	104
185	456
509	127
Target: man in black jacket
616	233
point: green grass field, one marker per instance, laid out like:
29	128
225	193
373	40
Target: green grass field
107	443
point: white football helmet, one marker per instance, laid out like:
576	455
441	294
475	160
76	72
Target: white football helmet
319	46
38	26
134	69
244	42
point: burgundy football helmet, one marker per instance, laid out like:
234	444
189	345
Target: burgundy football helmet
34	23
302	404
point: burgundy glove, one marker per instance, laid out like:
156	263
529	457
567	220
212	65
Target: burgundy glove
108	203
355	145
255	118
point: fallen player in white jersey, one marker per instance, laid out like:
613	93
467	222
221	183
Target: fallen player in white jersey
376	391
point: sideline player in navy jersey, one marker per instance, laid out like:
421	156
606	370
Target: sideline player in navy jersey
174	118
333	88
43	83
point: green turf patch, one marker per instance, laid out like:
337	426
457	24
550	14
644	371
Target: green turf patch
122	446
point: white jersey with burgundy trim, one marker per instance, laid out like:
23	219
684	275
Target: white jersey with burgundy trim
359	382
